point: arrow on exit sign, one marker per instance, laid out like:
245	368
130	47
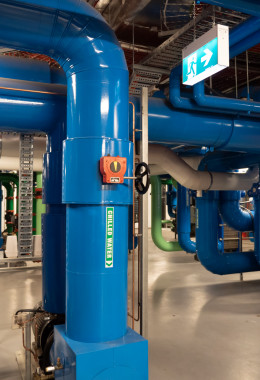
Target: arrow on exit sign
207	57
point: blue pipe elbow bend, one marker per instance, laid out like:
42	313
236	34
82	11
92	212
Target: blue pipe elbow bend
232	213
207	236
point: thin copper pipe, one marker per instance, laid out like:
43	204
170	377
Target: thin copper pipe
28	349
32	91
133	229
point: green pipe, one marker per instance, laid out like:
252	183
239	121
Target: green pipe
157	237
166	222
40	207
169	181
9	204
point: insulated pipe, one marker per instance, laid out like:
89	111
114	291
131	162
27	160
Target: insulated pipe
156	227
207	241
30	70
197	180
244	30
199	129
233	214
227	161
9	152
183	220
21	109
249	7
97	125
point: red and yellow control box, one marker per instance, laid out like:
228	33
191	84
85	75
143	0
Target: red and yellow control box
113	169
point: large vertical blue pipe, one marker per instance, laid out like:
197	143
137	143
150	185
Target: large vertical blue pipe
76	36
207	240
54	225
183	220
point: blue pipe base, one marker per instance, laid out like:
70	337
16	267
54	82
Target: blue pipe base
125	358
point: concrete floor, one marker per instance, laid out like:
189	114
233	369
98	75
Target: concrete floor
201	326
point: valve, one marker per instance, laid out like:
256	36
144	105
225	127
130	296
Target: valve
142	171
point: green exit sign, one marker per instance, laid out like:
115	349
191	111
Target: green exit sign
206	56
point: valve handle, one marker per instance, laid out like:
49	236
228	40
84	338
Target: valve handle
142	171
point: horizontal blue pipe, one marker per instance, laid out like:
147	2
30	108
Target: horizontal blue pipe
245	44
181	102
243	30
171	126
227	161
251	7
218	102
30	89
183	220
30	70
28	114
207	241
233	215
